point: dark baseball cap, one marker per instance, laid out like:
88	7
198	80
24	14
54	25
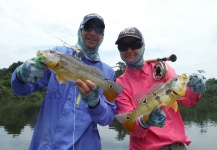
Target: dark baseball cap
95	17
130	32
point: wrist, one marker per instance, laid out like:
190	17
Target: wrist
94	105
19	73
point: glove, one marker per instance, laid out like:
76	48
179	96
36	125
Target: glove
30	71
92	98
157	118
197	83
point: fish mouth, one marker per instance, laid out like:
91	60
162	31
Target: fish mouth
43	64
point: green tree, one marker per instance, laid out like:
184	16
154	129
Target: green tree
121	68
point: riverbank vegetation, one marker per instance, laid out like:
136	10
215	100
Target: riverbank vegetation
17	111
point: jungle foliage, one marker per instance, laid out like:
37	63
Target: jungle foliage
17	111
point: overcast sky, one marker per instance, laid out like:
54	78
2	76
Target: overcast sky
186	28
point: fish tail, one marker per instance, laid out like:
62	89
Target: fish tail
111	93
128	123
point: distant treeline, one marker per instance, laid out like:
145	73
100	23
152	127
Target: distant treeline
7	95
17	111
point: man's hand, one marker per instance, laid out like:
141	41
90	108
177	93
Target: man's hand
30	72
89	92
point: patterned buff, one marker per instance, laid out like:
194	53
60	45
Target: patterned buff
138	61
92	55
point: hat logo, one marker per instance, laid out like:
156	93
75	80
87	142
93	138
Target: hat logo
94	15
128	31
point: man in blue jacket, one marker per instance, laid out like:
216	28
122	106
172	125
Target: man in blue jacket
60	124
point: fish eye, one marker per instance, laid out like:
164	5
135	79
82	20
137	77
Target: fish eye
128	117
110	86
145	101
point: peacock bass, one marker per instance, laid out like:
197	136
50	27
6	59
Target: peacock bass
167	93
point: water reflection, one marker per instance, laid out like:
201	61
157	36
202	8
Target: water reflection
121	131
15	118
202	118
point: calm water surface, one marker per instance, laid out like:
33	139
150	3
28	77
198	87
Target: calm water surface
202	138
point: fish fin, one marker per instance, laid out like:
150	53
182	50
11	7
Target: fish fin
111	93
154	87
61	79
97	71
173	105
145	118
93	69
182	98
122	118
140	96
128	123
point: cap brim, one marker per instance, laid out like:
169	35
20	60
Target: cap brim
118	40
96	19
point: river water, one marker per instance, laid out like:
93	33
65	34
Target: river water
203	137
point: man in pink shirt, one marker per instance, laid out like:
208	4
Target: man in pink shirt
163	130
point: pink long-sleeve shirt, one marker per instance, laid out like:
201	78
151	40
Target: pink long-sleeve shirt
136	82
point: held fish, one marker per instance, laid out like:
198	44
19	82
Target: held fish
71	68
167	93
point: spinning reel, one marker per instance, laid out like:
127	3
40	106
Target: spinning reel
160	68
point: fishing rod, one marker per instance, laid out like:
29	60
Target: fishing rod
160	68
170	58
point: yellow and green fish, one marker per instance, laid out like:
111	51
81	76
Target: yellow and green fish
71	68
166	94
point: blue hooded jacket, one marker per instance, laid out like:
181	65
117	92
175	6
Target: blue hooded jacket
61	125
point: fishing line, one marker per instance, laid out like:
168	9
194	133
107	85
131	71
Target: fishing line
78	99
73	137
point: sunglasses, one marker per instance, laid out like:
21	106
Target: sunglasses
89	28
133	46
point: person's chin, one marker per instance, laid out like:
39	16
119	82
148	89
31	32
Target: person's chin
130	59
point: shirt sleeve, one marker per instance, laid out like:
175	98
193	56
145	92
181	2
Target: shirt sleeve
22	88
190	98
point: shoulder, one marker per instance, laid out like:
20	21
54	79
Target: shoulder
106	66
64	49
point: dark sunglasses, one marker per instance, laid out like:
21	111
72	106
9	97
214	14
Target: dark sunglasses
89	28
133	46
